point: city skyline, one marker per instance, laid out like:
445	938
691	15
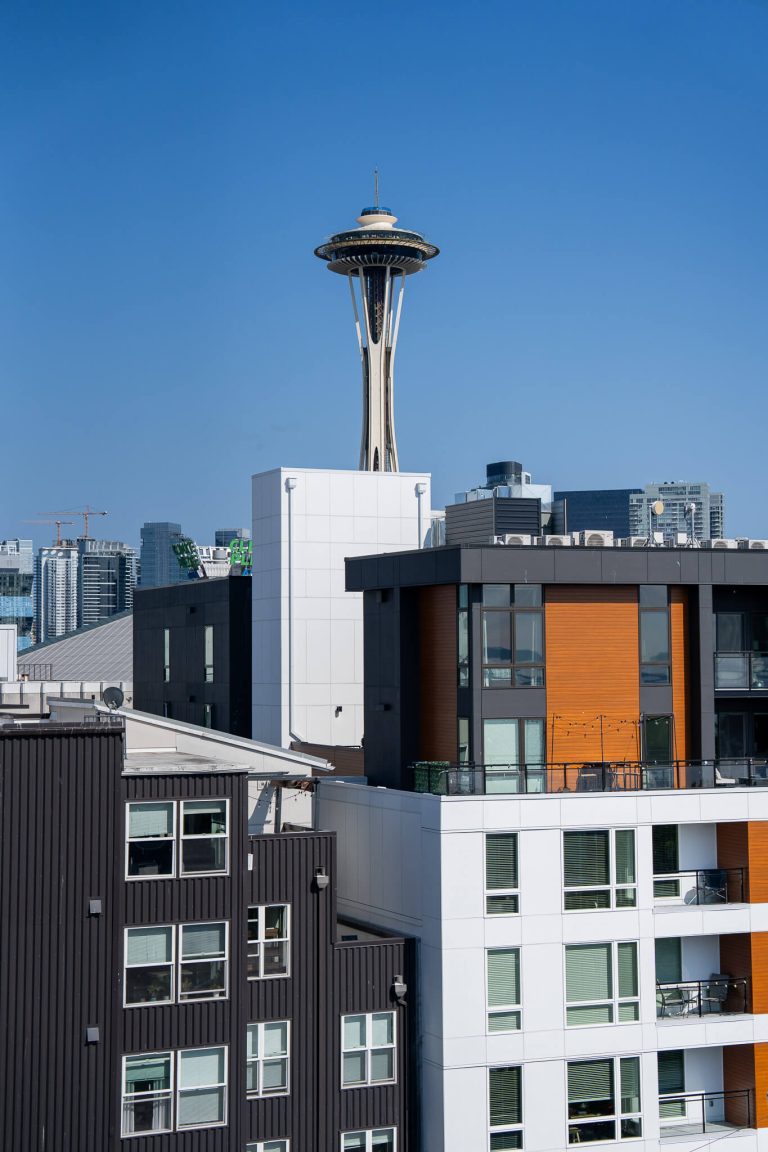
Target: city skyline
590	174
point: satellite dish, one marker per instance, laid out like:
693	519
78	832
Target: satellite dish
113	698
657	507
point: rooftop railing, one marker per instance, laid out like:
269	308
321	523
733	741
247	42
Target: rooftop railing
441	778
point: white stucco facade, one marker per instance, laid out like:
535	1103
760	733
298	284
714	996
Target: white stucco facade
416	864
307	630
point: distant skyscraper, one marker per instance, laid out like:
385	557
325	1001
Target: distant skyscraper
107	578
159	563
377	256
224	536
56	569
16	576
708	514
601	509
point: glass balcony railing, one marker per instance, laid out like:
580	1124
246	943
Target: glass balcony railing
741	670
441	778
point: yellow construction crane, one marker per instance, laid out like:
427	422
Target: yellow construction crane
58	524
84	512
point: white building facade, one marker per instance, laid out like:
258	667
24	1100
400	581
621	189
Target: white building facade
546	1020
56	584
307	630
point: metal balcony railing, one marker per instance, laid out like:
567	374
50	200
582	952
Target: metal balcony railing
741	670
442	778
693	1113
702	885
719	995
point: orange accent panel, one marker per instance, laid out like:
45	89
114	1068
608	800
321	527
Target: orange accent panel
761	1085
757	843
733	852
678	629
759	971
439	738
736	960
592	671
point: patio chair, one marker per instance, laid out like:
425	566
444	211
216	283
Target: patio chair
671	1001
714	995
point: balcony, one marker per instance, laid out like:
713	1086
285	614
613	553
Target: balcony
699	1113
720	995
741	671
441	778
701	886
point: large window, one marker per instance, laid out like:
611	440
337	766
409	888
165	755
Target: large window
514	756
268	941
154	976
158	830
267	1058
167	1091
368	1049
666	861
463	635
501	894
654	634
371	1140
513	636
601	983
599	870
505	1108
604	1100
503	972
268	1146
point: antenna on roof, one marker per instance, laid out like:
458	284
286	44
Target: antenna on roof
376	187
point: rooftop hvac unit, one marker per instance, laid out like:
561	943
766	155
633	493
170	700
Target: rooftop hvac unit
680	540
634	542
756	545
596	539
518	538
555	541
721	544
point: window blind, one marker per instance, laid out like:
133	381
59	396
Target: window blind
148	946
668	960
588	972
590	1081
500	742
501	860
150	820
201	1106
155	1070
201	1066
627	969
504	1096
382	1029
276	1039
585	859
665	849
671	1072
625	856
202	940
630	1084
503	976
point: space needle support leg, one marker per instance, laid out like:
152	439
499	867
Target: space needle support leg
350	278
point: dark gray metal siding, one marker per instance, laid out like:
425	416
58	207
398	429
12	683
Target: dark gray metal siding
58	964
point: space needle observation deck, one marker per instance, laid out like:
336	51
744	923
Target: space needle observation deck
376	258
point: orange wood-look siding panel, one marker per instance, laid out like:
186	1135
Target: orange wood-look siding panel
733	852
592	670
757	839
739	1074
761	1085
759	971
678	627
438	738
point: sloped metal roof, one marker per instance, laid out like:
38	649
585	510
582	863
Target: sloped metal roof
99	652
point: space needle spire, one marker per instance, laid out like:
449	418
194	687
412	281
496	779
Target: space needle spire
376	258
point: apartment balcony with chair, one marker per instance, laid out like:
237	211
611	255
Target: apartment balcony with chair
688	871
442	778
703	976
705	1092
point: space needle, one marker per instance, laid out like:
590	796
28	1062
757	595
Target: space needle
376	258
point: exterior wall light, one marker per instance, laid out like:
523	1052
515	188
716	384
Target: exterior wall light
399	989
322	879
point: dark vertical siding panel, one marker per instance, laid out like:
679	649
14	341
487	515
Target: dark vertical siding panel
58	788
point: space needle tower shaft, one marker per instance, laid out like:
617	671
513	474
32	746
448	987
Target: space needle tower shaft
376	258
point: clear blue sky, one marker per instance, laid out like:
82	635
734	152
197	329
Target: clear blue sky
594	172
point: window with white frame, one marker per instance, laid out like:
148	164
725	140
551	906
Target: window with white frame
268	948
209	653
501	883
601	983
372	1140
503	972
170	1091
604	1100
195	829
505	1108
267	1058
599	869
165	963
268	1146
166	655
368	1049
